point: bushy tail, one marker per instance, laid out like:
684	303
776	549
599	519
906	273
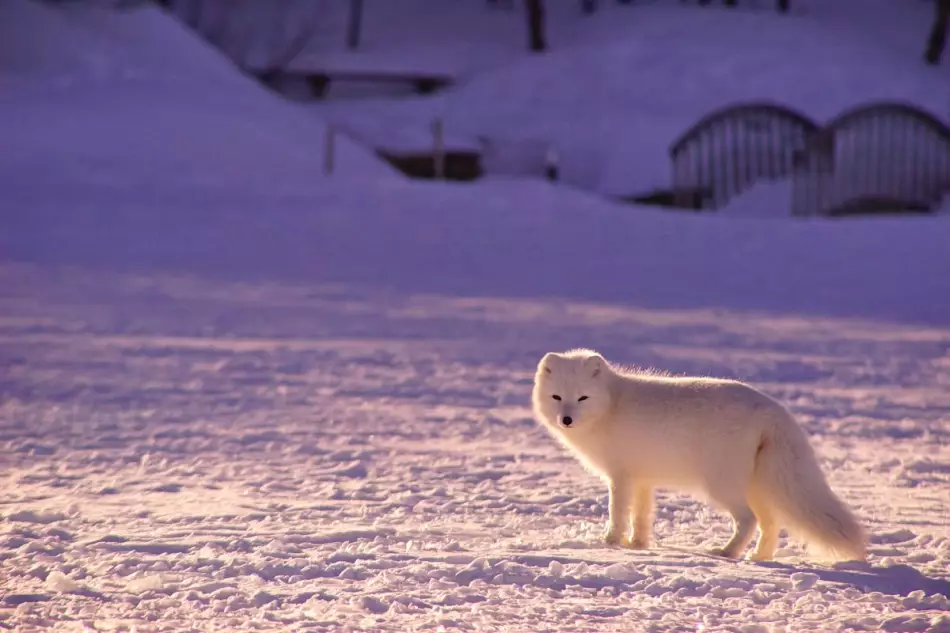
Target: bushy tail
789	478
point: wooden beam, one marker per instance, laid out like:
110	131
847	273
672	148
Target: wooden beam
354	26
536	39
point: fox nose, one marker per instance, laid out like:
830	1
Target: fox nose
567	420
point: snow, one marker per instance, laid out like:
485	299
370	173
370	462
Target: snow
240	395
132	96
764	199
500	238
649	73
250	397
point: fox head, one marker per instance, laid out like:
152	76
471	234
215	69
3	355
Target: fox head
572	389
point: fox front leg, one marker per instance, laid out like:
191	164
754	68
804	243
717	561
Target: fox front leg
620	506
642	517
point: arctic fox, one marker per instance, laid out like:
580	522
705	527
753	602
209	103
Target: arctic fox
744	450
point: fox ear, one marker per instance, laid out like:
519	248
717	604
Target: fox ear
595	364
547	361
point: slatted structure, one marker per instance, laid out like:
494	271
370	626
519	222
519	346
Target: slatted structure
882	156
729	149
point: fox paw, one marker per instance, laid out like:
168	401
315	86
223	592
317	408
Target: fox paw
640	543
721	552
616	540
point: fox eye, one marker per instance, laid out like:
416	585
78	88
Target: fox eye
582	399
558	398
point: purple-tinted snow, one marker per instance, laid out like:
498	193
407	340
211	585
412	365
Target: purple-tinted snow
236	394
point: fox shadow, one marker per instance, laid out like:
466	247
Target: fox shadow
897	580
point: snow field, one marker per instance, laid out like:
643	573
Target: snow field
193	454
238	396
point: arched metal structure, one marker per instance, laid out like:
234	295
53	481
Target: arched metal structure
729	149
878	151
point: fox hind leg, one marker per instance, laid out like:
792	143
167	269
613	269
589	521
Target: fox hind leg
744	522
729	488
768	530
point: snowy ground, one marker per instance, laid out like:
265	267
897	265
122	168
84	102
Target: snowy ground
237	395
230	409
200	455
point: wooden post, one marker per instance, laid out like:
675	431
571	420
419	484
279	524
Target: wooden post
536	40
438	149
329	149
355	24
552	166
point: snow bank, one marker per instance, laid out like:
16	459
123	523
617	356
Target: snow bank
111	96
617	88
498	238
155	171
41	44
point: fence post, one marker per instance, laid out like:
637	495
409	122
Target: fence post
552	166
536	39
438	149
355	24
329	148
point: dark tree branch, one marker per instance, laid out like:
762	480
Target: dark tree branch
937	40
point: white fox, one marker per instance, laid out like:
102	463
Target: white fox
744	450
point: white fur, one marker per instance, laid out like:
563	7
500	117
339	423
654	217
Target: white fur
723	438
